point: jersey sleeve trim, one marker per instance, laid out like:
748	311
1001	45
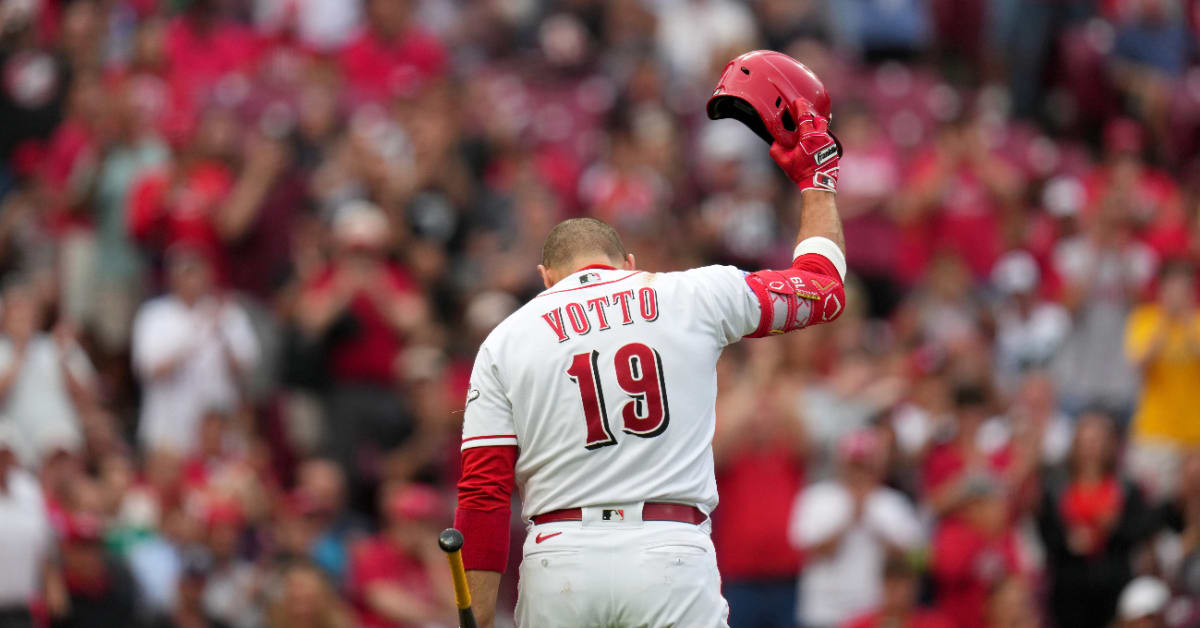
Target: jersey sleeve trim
826	248
489	440
764	307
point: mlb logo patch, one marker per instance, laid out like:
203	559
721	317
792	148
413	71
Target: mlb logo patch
613	515
589	278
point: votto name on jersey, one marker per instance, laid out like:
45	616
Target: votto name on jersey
602	312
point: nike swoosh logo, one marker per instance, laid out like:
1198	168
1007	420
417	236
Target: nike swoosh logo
543	537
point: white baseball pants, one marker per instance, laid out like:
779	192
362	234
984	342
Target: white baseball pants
622	573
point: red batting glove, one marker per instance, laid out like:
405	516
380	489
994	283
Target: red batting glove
813	162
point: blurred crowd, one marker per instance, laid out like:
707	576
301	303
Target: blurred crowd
248	250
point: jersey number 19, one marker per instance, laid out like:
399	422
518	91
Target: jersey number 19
639	374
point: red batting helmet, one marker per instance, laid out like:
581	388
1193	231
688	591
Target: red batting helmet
761	88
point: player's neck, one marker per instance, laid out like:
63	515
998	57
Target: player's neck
588	262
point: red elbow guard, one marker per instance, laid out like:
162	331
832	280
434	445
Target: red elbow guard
796	297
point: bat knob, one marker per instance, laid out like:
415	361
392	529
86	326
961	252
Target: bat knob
450	540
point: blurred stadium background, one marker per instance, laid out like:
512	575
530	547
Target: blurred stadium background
248	249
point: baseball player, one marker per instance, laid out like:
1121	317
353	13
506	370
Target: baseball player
596	399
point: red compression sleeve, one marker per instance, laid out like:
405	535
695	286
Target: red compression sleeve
484	505
816	263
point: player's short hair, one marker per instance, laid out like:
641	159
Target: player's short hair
576	237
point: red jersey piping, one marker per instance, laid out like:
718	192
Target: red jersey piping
602	283
491	436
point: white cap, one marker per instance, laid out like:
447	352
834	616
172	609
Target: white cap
360	222
1015	272
1144	596
1063	196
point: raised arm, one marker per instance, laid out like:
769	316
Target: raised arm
819	218
785	103
811	290
813	165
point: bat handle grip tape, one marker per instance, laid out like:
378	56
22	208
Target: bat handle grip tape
462	593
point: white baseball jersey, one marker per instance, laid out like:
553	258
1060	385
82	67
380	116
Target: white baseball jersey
607	383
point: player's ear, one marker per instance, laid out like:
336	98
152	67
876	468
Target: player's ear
630	263
545	273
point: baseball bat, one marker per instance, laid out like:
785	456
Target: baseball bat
451	542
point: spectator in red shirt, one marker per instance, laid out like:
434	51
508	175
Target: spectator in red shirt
1090	522
957	197
202	198
360	283
181	202
392	56
399	579
973	552
899	606
759	450
1127	185
68	169
951	466
355	318
203	48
